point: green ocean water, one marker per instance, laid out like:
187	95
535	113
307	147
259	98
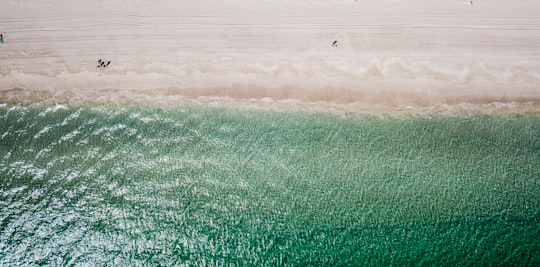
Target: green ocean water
201	186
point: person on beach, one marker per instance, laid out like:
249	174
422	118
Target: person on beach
334	43
1	38
102	64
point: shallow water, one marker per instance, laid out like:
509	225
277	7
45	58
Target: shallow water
191	185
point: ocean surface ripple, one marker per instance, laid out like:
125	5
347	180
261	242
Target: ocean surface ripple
199	186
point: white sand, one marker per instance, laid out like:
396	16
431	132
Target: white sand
390	55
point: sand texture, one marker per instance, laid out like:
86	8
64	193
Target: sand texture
390	55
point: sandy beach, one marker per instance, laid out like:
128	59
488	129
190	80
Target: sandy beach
270	133
339	54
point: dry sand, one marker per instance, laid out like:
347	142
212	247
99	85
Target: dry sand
391	56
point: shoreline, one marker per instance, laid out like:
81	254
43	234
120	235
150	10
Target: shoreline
167	98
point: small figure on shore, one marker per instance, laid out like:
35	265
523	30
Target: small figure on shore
334	43
1	38
102	64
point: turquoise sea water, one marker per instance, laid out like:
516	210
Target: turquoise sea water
202	186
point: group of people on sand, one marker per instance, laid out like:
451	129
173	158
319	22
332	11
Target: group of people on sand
102	64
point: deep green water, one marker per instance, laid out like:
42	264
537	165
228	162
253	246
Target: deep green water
201	186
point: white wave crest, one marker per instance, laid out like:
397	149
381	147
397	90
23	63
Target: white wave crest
43	131
53	109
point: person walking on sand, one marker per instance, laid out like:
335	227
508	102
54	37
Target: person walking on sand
102	64
1	38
